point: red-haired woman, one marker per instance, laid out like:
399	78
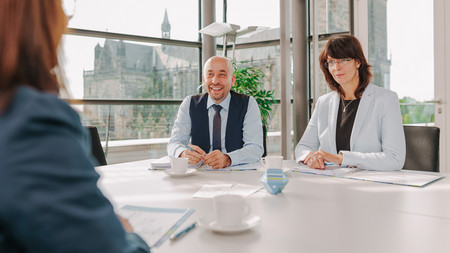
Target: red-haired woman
48	187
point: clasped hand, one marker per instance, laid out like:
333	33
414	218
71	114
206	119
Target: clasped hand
216	159
317	159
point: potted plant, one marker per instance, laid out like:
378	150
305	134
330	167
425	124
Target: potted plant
250	81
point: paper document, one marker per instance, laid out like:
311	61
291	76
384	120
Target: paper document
330	170
241	167
154	225
210	191
402	177
161	163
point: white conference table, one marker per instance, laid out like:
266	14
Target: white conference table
313	213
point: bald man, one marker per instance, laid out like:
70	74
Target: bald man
202	117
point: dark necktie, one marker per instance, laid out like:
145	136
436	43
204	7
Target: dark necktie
217	123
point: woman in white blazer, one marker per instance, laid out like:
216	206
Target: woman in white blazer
357	124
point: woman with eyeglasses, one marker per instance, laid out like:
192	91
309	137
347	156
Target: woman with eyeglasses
48	186
358	124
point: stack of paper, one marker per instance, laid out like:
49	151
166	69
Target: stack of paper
161	163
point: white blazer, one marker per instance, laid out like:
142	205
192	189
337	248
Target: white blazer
377	141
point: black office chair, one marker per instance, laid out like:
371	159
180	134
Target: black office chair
422	148
264	140
97	149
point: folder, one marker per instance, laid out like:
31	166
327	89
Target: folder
155	225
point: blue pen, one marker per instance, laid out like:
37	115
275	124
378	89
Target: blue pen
183	232
191	149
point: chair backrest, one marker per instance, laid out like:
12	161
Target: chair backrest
422	148
97	149
264	140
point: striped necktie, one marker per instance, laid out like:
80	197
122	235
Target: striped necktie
217	123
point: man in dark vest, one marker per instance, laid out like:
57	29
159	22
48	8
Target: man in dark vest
223	127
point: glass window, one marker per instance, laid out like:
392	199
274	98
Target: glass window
400	44
134	132
165	19
332	16
268	60
115	69
254	13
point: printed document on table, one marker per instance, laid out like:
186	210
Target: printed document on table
401	177
240	167
210	191
330	170
155	225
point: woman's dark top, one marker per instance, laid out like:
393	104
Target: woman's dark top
344	123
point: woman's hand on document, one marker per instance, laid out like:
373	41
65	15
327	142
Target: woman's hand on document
317	159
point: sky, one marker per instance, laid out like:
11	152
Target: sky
409	32
410	44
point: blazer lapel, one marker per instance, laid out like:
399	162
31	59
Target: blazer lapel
332	114
363	110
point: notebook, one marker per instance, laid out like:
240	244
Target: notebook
155	225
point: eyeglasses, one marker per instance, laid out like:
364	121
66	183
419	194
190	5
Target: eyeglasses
333	63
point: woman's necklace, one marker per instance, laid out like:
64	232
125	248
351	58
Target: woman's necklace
346	105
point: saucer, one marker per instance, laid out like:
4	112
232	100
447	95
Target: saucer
172	174
211	223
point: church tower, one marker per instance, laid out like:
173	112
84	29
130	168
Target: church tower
165	27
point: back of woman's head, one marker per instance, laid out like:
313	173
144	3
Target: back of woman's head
340	47
30	32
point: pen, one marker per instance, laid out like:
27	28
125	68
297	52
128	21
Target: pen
225	169
183	232
201	161
191	149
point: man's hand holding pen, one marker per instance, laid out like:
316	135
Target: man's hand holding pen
215	159
194	153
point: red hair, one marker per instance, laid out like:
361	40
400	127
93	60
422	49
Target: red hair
30	32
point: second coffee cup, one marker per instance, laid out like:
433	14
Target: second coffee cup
272	162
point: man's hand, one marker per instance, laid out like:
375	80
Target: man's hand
193	156
217	160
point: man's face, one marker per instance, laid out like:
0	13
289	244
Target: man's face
218	78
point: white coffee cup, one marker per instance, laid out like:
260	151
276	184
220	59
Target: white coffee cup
272	162
230	209
179	165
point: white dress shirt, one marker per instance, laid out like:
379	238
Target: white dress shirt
252	149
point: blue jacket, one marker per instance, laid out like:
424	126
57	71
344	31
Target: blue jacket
48	186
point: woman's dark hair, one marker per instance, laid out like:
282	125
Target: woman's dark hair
340	47
30	32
